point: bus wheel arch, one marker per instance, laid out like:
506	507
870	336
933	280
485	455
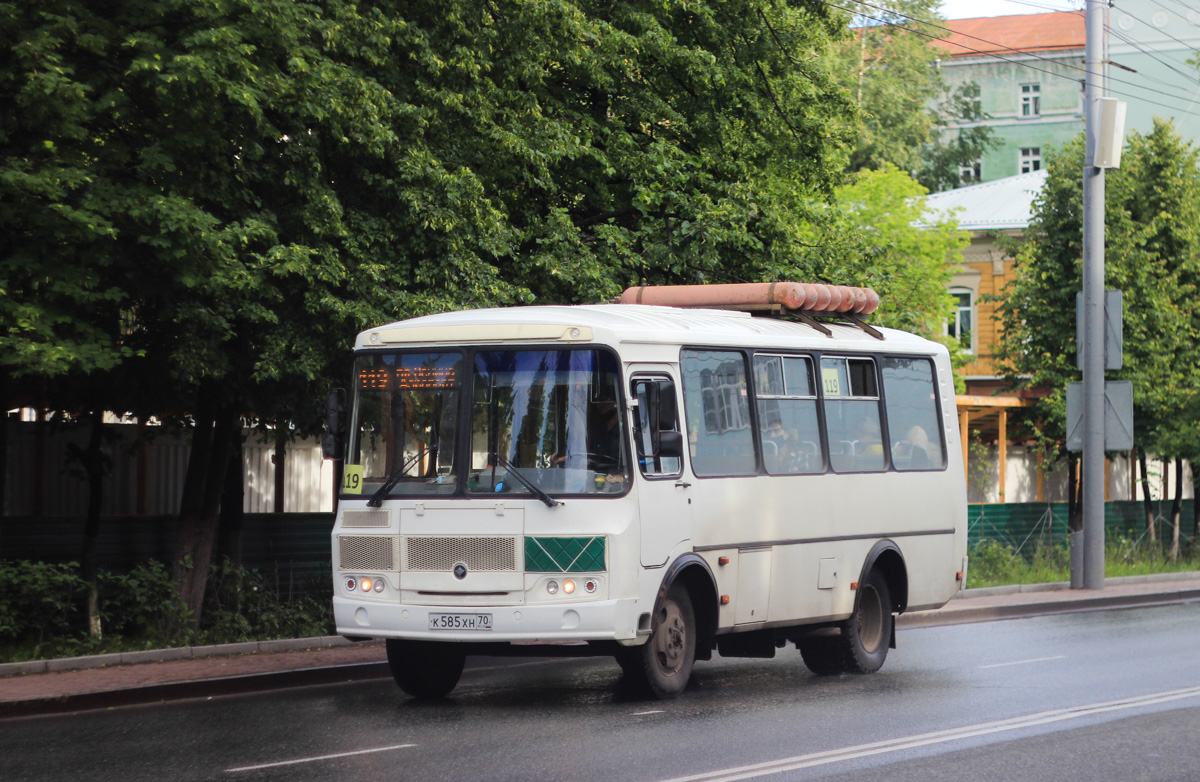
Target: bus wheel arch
885	557
694	574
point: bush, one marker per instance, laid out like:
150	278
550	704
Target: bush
244	604
42	610
39	602
143	607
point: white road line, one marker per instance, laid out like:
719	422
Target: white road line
1024	662
319	757
644	713
939	737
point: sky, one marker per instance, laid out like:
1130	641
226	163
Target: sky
969	9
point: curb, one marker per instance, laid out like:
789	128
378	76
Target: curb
200	688
1052	586
163	655
951	616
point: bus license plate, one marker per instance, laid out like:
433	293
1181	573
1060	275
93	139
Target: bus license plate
460	621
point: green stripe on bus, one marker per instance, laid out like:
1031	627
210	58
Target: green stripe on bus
564	555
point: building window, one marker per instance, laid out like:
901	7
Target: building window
971	172
1030	159
1031	100
960	325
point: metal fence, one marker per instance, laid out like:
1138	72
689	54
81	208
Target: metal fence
1025	525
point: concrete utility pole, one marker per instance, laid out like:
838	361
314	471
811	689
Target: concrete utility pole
1092	339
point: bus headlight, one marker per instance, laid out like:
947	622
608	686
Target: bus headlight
552	587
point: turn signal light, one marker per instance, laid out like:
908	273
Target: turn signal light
367	584
568	587
724	600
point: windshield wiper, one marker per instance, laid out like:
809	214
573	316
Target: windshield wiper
398	473
528	484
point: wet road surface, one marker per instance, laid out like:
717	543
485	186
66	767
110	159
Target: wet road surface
1103	695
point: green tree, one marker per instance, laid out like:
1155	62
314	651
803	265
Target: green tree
1152	254
208	200
880	234
906	113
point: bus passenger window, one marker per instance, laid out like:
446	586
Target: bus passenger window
787	414
718	413
852	417
910	400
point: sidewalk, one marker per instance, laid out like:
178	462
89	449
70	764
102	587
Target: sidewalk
80	683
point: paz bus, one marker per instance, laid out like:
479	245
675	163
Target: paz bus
689	470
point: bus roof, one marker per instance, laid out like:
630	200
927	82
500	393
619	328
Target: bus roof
631	324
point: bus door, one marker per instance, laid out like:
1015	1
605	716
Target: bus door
664	497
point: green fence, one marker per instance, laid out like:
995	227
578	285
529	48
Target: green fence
1026	524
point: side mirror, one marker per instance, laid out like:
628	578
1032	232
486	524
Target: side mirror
331	446
666	404
670	445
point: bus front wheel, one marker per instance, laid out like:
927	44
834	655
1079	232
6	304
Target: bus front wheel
424	669
663	665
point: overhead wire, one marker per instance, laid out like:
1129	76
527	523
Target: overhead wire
1009	48
1151	54
1152	27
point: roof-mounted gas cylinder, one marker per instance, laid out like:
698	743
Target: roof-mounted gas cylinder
801	299
807	297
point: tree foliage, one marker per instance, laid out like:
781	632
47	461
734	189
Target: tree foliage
1152	254
203	201
887	68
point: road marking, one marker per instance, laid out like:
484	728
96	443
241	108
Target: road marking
319	757
644	713
938	737
1025	662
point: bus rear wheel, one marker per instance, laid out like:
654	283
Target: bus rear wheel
662	666
862	645
423	669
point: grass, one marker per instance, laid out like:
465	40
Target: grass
994	563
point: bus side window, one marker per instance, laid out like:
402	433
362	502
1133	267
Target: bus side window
912	414
852	417
715	396
655	415
787	414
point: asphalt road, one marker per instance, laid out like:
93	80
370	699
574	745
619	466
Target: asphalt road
1104	695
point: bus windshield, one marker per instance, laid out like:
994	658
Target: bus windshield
404	426
540	421
552	415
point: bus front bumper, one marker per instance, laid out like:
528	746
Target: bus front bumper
601	620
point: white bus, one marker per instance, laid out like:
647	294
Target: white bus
653	483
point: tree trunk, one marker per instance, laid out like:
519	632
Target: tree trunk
4	402
93	465
197	530
1151	527
1176	508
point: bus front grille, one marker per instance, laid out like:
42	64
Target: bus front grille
443	553
363	552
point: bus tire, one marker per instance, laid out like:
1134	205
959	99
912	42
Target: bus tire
823	656
866	634
423	669
662	666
